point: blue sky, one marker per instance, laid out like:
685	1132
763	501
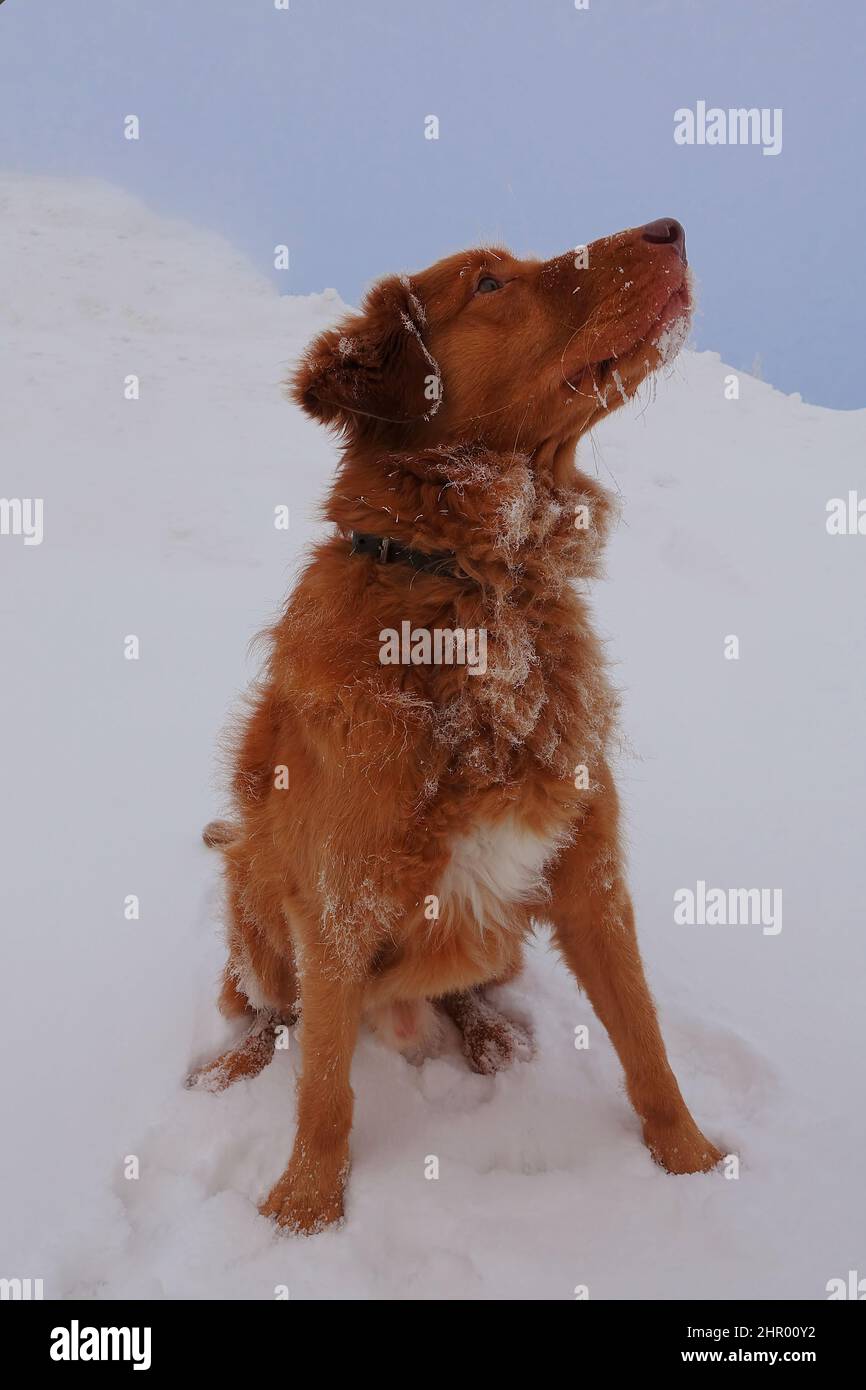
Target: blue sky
306	128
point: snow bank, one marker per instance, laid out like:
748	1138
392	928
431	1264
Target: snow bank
158	523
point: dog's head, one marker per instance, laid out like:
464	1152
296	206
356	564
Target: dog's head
485	347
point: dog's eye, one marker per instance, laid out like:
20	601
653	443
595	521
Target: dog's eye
487	284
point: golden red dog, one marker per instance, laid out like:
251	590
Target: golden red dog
399	827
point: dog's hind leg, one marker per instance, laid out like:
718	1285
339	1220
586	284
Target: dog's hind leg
268	1024
250	1056
259	977
491	1040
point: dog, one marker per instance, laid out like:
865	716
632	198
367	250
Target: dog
401	823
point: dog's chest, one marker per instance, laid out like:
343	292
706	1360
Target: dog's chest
543	703
494	867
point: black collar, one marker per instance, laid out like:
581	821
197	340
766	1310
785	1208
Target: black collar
386	550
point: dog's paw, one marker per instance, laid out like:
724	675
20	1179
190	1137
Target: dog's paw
240	1063
492	1042
303	1207
212	1077
679	1147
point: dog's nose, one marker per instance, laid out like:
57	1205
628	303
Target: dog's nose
667	231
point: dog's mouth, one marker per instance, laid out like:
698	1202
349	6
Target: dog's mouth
670	329
658	345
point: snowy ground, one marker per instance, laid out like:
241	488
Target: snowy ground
158	522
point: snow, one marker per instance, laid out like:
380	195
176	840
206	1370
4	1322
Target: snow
159	523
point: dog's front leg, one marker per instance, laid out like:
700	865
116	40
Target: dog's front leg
594	925
309	1195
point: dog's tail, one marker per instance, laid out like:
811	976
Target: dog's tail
217	834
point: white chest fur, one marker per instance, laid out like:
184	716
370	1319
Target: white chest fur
495	866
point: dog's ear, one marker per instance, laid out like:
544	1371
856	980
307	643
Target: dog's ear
374	369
